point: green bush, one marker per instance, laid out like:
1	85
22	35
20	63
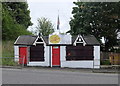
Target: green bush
8	62
105	62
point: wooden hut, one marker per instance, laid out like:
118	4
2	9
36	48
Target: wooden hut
58	50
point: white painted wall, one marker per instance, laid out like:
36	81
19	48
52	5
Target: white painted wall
42	63
71	64
83	63
16	53
51	56
97	57
62	54
78	64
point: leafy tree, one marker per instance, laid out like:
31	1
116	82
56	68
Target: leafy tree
20	13
45	26
100	19
15	20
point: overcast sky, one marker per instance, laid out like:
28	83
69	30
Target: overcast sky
49	9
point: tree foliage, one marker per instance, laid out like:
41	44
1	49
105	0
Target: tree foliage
45	26
100	19
15	20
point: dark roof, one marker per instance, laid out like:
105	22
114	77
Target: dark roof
73	38
25	40
46	38
29	40
91	40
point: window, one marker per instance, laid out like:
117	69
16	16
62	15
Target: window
37	53
79	53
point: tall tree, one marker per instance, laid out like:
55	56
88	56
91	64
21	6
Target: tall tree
15	20
20	13
44	26
100	19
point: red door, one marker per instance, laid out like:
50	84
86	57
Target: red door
56	56
23	55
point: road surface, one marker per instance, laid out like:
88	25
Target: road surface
46	76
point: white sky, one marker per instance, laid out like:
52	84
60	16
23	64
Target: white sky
49	9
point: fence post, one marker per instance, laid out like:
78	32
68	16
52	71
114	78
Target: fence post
23	61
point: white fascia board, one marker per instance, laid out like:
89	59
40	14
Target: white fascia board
35	41
84	43
16	39
79	36
76	40
39	42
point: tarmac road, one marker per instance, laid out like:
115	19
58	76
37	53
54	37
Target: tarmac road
53	76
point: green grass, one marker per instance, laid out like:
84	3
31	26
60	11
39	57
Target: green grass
8	62
8	51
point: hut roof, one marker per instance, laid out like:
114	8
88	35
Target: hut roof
29	40
25	40
91	40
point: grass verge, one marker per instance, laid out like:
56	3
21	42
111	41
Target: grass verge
8	51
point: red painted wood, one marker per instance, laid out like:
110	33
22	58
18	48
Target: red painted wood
56	56
23	55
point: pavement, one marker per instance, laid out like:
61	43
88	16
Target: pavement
103	69
85	70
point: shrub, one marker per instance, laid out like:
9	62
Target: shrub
105	62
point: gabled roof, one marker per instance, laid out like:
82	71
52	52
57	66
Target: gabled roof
25	40
29	40
73	39
46	38
91	40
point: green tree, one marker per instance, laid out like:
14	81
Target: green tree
20	13
12	27
45	26
100	19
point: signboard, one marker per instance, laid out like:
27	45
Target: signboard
60	39
54	39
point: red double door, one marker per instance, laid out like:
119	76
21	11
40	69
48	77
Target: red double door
55	55
22	55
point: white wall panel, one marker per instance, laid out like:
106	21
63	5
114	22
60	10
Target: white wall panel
16	53
96	56
44	63
77	64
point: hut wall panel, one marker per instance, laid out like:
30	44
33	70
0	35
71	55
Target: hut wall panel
62	54
47	55
96	56
16	53
50	56
73	64
77	64
46	61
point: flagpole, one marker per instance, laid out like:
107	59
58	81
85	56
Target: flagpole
58	23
